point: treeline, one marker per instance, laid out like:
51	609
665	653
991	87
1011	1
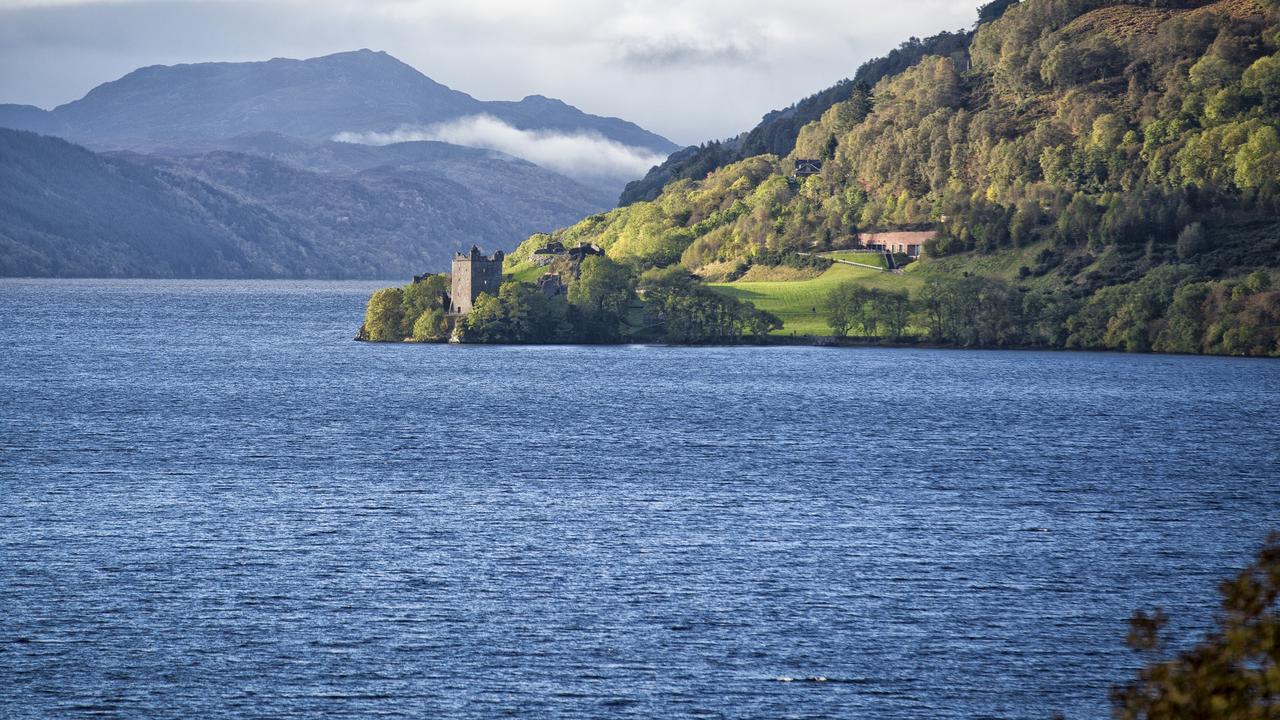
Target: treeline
607	302
687	312
1168	310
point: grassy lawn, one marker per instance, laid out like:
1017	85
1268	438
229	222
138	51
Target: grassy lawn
858	256
526	273
800	303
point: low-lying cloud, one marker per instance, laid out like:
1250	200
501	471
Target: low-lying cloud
579	154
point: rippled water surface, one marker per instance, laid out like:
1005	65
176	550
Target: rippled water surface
213	503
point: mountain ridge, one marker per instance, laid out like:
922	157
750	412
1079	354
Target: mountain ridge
313	98
70	212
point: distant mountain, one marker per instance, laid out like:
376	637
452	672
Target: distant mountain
378	212
194	106
29	117
247	149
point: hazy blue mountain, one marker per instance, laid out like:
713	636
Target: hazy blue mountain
193	106
67	211
228	169
29	117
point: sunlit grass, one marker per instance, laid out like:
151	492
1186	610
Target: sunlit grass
800	304
858	256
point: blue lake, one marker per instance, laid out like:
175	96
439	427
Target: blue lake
213	503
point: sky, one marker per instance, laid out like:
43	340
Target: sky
691	70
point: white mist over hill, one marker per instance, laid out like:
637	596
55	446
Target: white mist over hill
577	154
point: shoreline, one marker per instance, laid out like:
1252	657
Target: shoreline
828	343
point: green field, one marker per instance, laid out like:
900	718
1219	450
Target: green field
800	304
526	273
858	256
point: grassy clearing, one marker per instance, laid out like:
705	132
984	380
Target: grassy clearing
526	273
800	304
858	256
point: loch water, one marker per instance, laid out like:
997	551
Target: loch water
214	504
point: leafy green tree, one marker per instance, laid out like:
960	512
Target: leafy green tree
384	316
1191	241
1258	281
849	305
425	295
1184	323
1258	160
1135	322
1046	318
840	307
1262	79
864	309
431	326
1233	673
893	311
991	11
602	293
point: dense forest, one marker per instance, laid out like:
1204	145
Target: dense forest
777	132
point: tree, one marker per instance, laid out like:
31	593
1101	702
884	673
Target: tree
843	305
1184	322
384	316
992	11
1258	160
603	291
1263	80
431	326
1233	673
893	311
1191	241
422	296
1258	281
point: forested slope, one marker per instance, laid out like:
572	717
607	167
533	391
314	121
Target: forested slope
68	212
777	131
1100	140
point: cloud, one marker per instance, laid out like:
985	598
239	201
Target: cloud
666	52
688	70
580	154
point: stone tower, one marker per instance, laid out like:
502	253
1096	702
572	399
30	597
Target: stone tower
474	273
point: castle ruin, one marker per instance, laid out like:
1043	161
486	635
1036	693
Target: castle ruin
474	273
